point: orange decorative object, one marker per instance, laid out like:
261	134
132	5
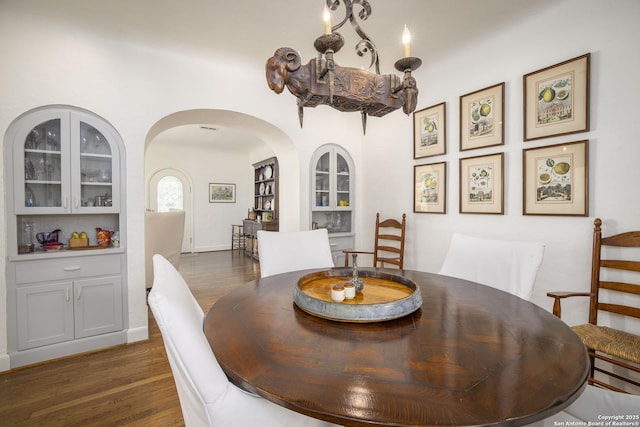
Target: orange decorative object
104	237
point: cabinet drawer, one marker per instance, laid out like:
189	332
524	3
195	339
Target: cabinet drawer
66	268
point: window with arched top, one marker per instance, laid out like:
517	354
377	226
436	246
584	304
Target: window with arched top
170	194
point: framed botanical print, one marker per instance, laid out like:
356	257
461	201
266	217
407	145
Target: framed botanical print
481	184
482	118
556	99
429	131
555	179
430	195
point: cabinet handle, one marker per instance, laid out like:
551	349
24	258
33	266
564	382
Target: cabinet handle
78	293
76	202
66	294
333	244
72	268
64	202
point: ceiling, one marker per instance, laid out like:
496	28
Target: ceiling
254	29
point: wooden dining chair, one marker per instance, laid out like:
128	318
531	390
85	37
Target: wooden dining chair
615	285
388	243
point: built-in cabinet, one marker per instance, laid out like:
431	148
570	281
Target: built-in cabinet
64	171
332	197
264	214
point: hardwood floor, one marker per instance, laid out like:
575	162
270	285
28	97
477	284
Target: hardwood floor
126	385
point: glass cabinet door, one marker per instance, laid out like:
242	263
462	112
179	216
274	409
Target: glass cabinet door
342	181
322	188
64	163
39	161
96	168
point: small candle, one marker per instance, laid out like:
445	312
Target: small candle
326	17
406	42
337	293
349	291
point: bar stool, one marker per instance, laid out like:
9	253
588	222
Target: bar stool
237	237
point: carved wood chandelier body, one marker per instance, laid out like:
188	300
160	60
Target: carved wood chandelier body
322	81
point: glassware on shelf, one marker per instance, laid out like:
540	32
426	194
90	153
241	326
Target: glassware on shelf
27	245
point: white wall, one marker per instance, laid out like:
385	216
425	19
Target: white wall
133	87
211	221
571	28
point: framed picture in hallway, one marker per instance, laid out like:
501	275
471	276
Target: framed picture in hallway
556	99
482	118
222	193
481	184
556	179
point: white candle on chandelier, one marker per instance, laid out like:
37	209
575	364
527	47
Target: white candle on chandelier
326	17
406	42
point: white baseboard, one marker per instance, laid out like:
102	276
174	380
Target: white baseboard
5	362
137	334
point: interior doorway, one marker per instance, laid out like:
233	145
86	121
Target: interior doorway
171	189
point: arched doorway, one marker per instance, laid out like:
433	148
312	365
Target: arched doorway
172	189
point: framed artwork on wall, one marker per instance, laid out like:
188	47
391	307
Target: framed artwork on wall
222	193
482	118
555	179
556	99
429	131
430	189
482	184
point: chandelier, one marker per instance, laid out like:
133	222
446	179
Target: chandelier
323	82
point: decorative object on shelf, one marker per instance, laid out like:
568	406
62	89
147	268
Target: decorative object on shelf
429	131
555	179
481	184
482	118
45	238
430	189
556	99
322	81
222	193
103	237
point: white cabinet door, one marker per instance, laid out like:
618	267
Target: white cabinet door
98	306
45	314
41	162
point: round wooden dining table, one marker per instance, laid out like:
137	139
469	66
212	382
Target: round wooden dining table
471	355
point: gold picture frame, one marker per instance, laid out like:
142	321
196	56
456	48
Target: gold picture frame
556	99
482	118
555	179
430	188
482	184
430	131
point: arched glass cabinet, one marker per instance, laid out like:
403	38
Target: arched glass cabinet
332	197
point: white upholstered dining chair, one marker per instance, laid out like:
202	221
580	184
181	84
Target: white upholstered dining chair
281	252
164	232
592	405
207	398
510	266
